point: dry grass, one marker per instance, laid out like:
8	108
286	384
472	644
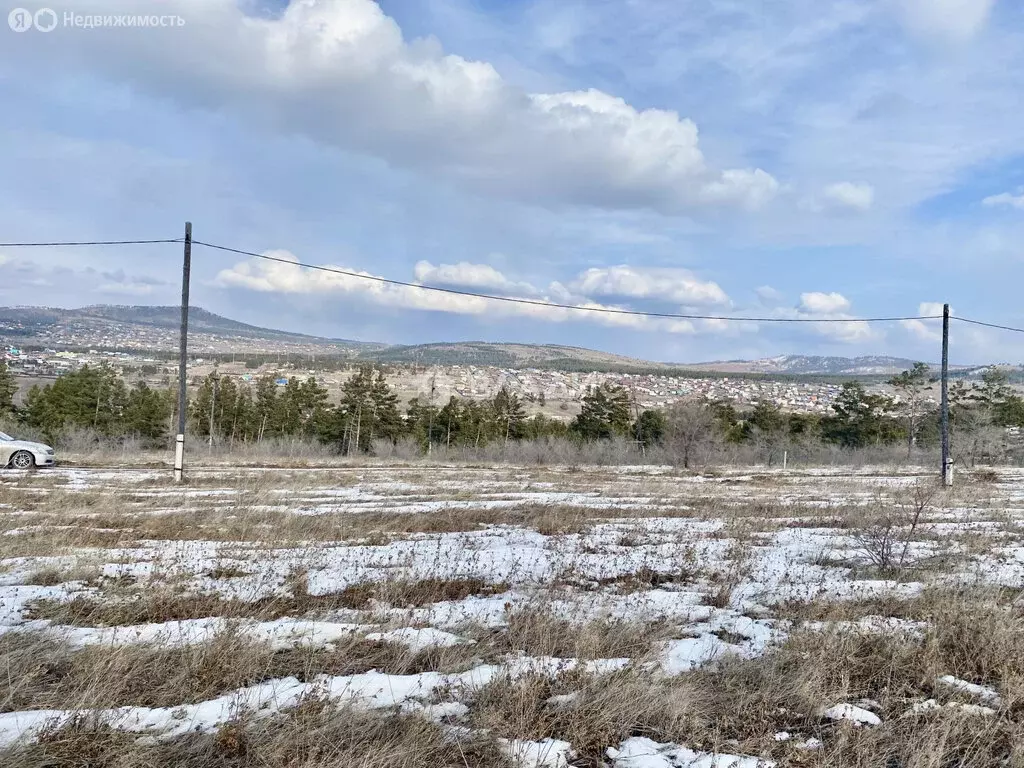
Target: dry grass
537	633
49	576
735	706
160	605
603	711
740	705
313	735
45	674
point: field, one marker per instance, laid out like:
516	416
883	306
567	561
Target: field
417	615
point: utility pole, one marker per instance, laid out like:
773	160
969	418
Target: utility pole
947	461
213	409
179	440
430	425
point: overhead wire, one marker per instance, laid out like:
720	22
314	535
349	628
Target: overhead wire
90	242
556	305
987	325
512	299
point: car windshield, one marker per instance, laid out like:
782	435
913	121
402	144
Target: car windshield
4	436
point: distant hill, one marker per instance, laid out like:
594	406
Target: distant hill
155	329
871	365
200	321
505	356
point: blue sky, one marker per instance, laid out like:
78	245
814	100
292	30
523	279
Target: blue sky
814	158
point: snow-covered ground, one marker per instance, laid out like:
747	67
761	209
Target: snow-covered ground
432	558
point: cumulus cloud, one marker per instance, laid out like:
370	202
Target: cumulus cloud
768	295
951	20
831	306
1006	200
824	303
282	277
341	72
926	330
669	284
845	194
470	276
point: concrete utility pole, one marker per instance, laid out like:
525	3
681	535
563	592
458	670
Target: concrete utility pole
430	427
179	440
213	409
947	460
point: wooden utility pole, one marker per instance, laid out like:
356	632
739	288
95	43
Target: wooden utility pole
179	440
947	461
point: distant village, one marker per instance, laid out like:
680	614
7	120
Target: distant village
556	393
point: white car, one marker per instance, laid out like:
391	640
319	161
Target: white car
23	454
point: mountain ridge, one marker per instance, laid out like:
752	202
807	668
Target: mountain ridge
155	328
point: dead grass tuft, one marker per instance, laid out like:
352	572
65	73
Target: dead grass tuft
45	674
162	605
537	632
313	735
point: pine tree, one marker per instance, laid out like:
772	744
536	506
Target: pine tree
860	418
8	388
265	412
451	418
649	428
424	423
147	411
605	413
509	414
911	386
89	398
368	410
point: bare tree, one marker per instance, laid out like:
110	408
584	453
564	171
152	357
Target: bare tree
911	386
885	530
689	431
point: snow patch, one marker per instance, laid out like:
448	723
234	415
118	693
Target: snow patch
641	752
420	639
548	753
849	713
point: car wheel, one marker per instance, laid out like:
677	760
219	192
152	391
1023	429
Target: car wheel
23	460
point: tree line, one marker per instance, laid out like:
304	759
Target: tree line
95	398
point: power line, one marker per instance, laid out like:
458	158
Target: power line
989	325
553	305
94	242
509	299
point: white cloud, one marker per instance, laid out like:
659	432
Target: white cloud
470	276
670	284
277	277
341	72
1005	200
824	303
927	330
768	295
952	20
845	194
748	188
832	307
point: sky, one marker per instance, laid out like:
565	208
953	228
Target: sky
803	159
